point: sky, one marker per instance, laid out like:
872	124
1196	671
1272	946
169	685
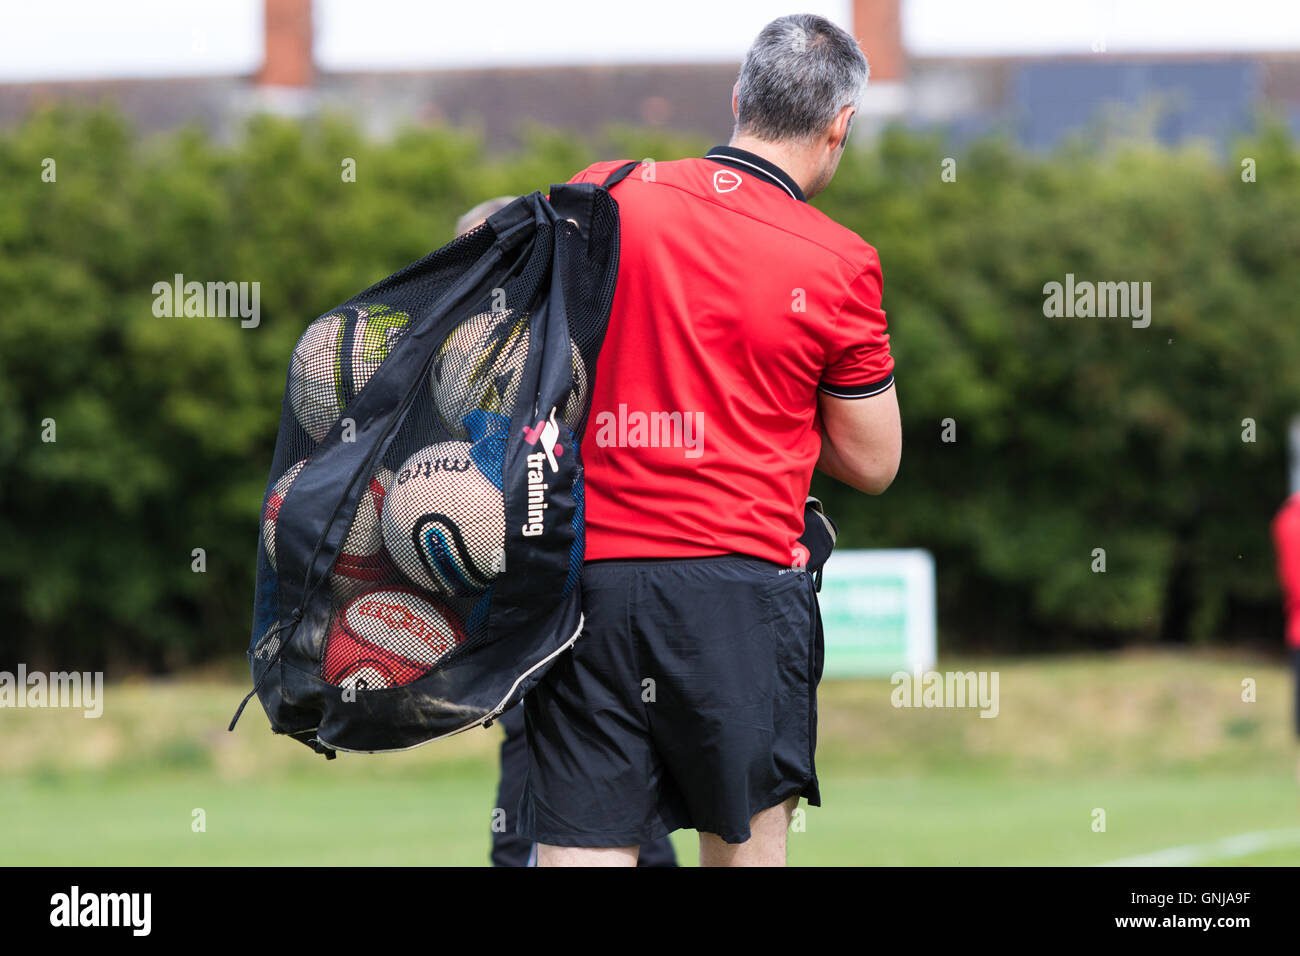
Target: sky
79	39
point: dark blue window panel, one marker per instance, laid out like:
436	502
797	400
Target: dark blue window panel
1211	100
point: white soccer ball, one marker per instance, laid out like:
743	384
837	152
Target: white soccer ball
480	365
444	521
325	374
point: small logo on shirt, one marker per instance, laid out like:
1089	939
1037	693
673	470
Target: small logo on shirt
724	180
799	556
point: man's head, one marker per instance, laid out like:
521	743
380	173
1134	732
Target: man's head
478	215
799	87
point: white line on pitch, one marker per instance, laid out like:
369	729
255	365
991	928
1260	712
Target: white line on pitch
1243	844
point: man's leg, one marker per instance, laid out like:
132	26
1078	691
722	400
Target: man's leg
586	856
595	789
689	704
1296	662
657	853
732	647
508	847
766	843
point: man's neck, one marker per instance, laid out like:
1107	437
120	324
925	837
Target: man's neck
793	160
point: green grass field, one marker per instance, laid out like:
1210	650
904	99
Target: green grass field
1163	744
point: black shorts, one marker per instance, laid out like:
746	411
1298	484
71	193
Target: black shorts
690	701
508	847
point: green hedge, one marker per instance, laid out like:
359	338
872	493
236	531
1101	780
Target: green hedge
1072	434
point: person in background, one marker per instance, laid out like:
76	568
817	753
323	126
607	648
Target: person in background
479	214
508	848
1286	542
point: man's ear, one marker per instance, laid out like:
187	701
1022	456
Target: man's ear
735	100
843	124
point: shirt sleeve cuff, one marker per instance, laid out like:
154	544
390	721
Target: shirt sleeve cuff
858	391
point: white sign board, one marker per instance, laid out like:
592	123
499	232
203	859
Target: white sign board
878	612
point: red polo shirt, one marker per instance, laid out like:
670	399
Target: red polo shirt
736	302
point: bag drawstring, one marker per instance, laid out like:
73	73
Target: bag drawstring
274	632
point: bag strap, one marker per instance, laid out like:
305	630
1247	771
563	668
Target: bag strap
620	174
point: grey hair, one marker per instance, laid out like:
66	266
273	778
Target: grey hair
479	213
800	72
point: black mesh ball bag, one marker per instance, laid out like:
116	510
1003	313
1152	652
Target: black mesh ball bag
421	539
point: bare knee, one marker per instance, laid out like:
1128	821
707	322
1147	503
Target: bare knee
766	843
548	855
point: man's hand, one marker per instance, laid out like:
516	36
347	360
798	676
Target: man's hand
862	440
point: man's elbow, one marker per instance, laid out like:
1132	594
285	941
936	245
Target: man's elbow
875	482
873	477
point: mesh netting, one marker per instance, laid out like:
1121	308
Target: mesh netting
423	547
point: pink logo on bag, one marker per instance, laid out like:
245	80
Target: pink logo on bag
547	431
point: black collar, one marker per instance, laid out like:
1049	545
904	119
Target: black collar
747	162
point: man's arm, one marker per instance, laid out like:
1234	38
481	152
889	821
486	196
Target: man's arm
862	439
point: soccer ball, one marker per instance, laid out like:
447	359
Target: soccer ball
444	521
388	637
334	359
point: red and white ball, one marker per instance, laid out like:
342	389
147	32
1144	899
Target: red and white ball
388	637
271	510
362	559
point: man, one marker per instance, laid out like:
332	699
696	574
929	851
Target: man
478	215
508	848
746	346
1286	543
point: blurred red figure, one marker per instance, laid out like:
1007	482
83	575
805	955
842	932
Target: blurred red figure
1286	541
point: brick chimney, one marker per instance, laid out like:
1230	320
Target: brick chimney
288	44
878	27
